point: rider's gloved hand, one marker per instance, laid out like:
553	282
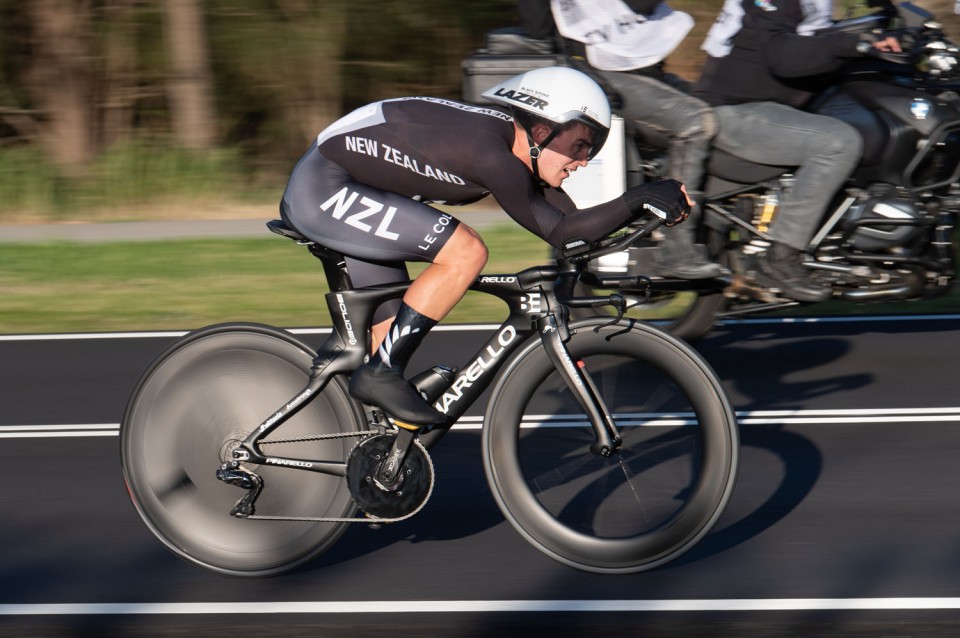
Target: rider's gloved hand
667	199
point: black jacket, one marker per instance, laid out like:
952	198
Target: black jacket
770	61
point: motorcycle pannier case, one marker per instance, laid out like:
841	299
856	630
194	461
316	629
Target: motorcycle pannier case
483	70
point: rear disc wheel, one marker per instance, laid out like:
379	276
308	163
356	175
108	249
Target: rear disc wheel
189	412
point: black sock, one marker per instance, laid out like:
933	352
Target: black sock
404	337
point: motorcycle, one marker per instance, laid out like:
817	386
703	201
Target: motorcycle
889	235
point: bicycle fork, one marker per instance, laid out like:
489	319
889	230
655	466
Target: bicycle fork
554	335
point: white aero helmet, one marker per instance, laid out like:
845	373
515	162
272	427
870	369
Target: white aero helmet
557	94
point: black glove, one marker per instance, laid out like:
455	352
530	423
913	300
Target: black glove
662	198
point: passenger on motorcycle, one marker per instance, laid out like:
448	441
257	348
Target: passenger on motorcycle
766	58
360	189
623	46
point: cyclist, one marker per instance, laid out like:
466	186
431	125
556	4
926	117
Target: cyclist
361	190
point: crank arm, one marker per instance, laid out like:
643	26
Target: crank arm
388	476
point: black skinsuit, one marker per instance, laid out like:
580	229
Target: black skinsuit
360	189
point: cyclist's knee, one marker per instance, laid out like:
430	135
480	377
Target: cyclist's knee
465	249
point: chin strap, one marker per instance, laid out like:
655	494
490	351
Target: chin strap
537	149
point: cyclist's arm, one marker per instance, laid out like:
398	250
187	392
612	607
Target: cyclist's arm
550	213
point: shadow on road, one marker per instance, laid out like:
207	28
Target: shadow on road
761	499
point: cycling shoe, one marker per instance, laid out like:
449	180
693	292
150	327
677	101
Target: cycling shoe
388	390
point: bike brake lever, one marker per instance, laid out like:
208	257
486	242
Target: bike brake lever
619	302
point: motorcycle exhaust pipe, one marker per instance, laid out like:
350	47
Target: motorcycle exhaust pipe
890	294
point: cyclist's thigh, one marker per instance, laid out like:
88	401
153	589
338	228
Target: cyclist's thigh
326	204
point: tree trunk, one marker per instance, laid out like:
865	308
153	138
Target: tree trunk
189	88
61	81
120	62
311	74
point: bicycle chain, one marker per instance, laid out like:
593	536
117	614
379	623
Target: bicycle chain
370	520
318	437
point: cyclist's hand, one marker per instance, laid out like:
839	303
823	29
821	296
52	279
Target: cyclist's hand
667	199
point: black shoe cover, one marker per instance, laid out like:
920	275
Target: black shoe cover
388	390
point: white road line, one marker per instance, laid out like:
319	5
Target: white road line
173	334
58	431
754	417
838	319
469	327
485	606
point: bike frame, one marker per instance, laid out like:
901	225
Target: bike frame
534	307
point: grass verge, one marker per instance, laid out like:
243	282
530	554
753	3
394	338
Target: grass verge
186	284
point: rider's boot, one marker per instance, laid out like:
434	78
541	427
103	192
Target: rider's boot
784	265
680	257
380	381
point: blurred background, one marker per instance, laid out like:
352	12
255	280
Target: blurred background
137	109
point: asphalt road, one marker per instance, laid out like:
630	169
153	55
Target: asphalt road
844	520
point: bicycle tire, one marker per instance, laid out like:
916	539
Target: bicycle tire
200	397
639	508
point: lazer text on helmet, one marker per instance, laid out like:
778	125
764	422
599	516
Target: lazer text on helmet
522	98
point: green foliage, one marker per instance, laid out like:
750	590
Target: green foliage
27	181
137	172
282	69
125	175
180	285
416	47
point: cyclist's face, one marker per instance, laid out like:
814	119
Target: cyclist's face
567	152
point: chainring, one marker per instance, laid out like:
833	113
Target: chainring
402	500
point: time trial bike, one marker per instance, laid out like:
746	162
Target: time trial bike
608	443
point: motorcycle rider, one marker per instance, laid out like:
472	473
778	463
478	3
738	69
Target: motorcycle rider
361	191
766	58
623	45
